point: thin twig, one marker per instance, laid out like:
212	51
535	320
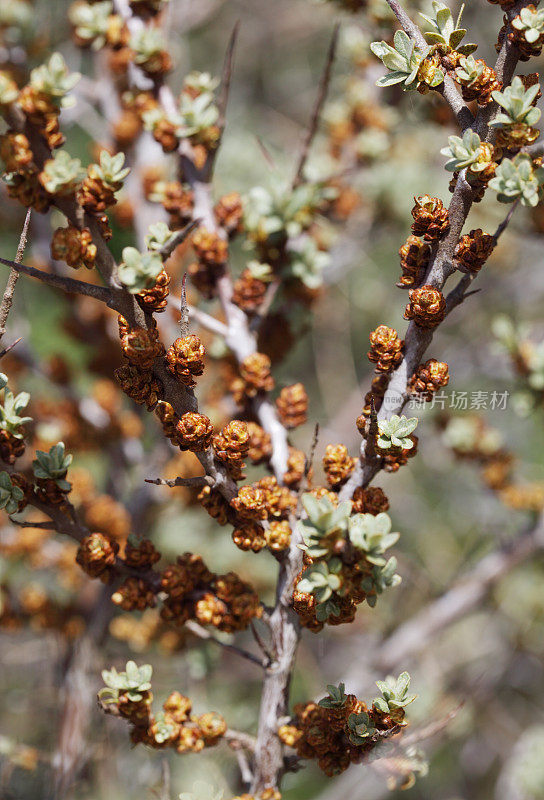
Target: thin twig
199	480
7	300
318	108
6	350
60	282
204	634
178	238
506	221
226	77
240	737
184	308
46	526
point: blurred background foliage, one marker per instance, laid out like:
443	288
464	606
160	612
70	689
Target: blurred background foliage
487	666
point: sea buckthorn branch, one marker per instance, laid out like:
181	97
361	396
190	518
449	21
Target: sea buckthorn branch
7	299
448	90
441	266
238	335
181	398
318	108
207	636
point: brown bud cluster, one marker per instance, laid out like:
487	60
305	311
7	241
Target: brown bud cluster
427	307
296	465
338	464
11	447
371	500
255	372
414	260
323	734
212	254
134	594
74	246
232	446
215	504
176	727
292	405
249	536
41	111
263	500
248	292
194	432
278	536
185	359
429	378
430	218
228	213
387	350
141	346
473	250
193	592
154	300
96	555
260	443
178	202
140	385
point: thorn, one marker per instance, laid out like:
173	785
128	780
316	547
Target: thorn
178	238
184	321
266	153
318	107
10	347
227	75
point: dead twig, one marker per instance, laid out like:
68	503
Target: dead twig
7	300
318	108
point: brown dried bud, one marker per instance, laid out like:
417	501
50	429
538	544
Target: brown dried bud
74	246
338	464
278	535
260	443
141	554
371	500
228	212
430	218
427	307
232	444
96	554
292	405
141	346
140	385
185	359
249	536
473	250
387	350
248	291
429	378
251	502
296	464
215	504
194	432
155	299
15	151
255	370
414	260
134	594
210	248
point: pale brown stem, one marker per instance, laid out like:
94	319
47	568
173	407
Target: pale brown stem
7	300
